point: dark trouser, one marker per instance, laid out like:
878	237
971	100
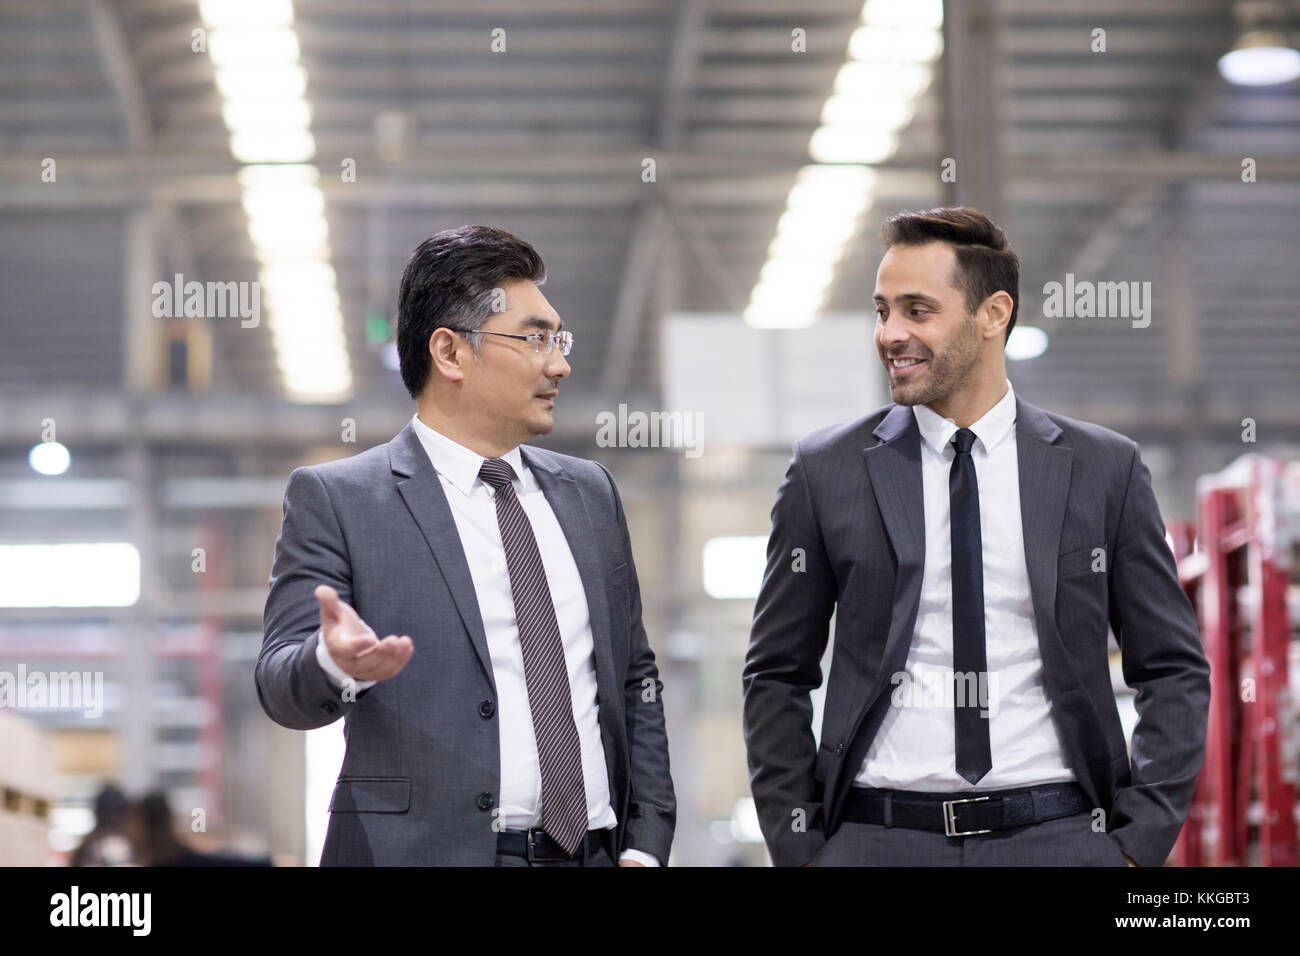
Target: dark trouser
1065	841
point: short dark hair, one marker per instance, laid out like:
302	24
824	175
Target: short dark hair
449	281
986	262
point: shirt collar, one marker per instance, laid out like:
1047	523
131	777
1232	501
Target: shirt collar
990	429
457	463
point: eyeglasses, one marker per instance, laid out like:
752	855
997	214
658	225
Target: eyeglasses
564	339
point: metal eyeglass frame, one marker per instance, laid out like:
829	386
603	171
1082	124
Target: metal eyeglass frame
562	338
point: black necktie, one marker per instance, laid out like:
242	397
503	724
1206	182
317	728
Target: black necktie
974	754
559	752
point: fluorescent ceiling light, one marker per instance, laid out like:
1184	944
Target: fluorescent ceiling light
889	80
279	176
733	566
838	144
274	81
256	51
69	575
291	202
894	44
253	47
273	146
304	231
261	113
904	13
246	13
889	65
873	112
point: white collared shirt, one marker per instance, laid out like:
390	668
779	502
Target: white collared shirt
474	510
915	747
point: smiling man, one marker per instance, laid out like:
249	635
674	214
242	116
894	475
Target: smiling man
969	541
513	714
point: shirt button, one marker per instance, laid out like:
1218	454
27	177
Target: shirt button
486	709
485	801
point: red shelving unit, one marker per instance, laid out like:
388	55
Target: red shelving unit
1237	564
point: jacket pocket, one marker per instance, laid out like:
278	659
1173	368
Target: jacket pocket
1075	562
371	795
826	759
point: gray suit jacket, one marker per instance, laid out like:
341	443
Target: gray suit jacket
852	500
422	770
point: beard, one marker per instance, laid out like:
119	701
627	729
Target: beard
944	373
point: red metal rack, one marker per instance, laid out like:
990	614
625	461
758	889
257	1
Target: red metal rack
1236	565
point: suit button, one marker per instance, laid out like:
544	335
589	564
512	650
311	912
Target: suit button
486	709
839	748
485	801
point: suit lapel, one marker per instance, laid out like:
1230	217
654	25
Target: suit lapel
1044	475
894	466
1044	470
418	484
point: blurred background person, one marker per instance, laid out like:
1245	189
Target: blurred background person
109	843
156	843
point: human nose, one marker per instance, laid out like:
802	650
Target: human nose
556	365
890	333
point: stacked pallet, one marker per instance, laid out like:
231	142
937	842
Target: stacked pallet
27	789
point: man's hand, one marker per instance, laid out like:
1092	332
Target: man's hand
629	863
353	645
1130	860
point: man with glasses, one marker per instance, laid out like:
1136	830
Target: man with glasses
513	714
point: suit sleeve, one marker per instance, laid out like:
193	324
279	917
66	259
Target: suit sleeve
1164	661
652	807
782	667
291	685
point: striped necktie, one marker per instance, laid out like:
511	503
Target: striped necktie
559	752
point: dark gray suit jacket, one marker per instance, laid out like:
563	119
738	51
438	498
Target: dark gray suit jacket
421	775
852	499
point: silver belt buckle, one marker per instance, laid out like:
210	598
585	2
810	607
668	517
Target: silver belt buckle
950	817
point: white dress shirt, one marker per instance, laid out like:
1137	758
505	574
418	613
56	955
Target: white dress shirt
473	508
915	747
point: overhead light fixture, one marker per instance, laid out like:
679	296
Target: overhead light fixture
1261	56
255	49
1026	342
69	575
889	66
733	566
49	458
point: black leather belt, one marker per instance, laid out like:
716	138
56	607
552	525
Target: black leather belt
536	845
965	814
